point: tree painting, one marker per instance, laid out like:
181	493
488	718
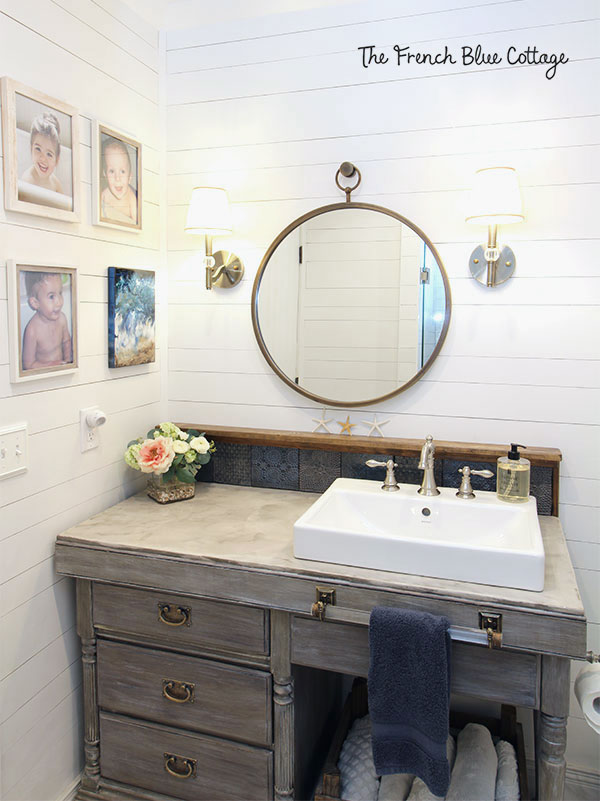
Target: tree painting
131	317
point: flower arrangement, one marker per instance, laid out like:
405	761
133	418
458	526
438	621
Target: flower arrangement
172	457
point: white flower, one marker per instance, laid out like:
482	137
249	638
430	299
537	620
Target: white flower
200	444
180	447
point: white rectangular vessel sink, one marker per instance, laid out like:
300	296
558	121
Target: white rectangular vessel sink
482	539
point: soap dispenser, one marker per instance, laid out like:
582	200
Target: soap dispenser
512	477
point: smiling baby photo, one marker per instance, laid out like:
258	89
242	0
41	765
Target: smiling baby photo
117	170
40	153
43	318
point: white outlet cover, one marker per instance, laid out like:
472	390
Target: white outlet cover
88	437
13	450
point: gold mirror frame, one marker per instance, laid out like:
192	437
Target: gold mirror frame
349	204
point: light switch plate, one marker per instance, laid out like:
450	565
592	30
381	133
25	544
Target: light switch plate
13	450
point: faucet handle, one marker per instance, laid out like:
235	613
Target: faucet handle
390	484
466	490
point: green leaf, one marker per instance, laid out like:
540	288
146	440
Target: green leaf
132	442
178	459
170	474
192	432
150	434
203	458
185	474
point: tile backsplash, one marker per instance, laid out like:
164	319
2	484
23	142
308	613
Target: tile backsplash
314	470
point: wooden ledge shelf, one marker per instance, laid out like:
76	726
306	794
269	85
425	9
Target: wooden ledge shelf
477	451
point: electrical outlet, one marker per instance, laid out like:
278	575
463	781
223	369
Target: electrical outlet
13	450
89	420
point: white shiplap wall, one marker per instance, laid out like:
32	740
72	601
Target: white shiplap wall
102	59
268	108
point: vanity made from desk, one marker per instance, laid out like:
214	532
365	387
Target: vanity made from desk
206	677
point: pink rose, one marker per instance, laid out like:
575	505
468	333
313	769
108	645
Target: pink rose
156	455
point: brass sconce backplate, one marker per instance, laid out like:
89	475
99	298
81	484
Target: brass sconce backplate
227	271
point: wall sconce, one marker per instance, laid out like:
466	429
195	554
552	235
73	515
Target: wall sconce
495	200
209	214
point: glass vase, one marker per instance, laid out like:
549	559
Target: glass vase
169	490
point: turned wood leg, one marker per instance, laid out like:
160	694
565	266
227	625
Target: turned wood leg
283	701
85	629
551	734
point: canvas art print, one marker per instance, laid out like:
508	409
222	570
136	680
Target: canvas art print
116	172
41	153
131	313
42	319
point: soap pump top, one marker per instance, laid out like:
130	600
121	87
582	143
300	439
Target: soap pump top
513	453
513	473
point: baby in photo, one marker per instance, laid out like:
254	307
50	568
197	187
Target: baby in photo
46	340
119	199
45	153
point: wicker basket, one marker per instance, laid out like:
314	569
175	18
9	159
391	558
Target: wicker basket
356	706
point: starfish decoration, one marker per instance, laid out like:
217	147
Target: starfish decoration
322	423
375	426
346	426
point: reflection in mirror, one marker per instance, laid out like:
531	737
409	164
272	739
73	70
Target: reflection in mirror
351	305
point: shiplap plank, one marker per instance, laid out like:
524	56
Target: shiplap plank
485	138
317	19
68	32
123	13
114	29
345	68
45	616
21	686
112	100
331	111
46	471
422	31
581	523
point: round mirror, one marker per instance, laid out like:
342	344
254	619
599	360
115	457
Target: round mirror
351	304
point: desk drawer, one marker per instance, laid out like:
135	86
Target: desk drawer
498	675
185	691
207	768
181	620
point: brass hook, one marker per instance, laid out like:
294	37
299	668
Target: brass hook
347	169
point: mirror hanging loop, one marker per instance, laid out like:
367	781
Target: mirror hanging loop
347	169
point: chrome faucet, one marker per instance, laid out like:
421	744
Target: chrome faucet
427	464
390	484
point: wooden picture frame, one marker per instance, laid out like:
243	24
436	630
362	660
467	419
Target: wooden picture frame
48	347
116	178
41	153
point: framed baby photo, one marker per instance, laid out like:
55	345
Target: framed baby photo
116	178
42	320
40	137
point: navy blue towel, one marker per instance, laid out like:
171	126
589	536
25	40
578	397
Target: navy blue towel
409	694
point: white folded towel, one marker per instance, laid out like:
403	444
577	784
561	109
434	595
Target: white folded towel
474	775
395	786
507	778
419	790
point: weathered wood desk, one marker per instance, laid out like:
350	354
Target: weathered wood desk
206	677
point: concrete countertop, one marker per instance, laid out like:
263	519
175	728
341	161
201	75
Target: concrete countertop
252	528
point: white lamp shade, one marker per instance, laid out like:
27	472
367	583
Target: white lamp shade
208	212
495	197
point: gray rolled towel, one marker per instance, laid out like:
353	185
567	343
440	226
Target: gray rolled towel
507	778
419	790
474	774
395	786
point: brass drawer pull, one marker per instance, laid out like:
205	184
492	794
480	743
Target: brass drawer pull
181	767
179	691
174	615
